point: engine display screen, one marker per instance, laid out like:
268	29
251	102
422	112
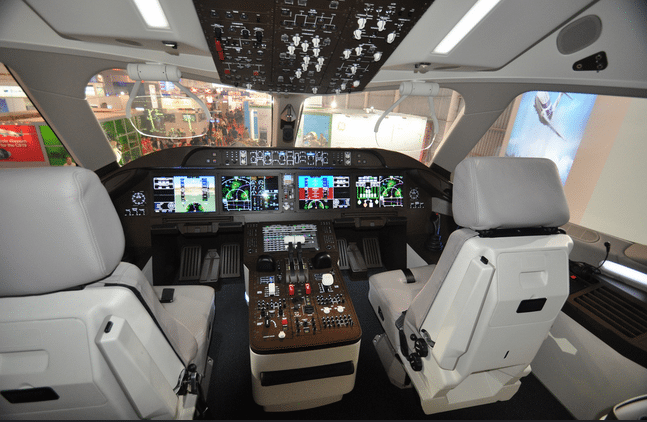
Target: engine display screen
324	192
379	191
183	194
250	193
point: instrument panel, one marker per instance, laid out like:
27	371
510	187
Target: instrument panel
207	192
200	188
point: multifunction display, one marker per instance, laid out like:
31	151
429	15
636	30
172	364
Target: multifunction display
250	193
184	194
324	192
379	191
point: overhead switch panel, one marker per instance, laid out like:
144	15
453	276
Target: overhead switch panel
305	46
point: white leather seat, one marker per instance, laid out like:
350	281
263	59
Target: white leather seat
82	334
467	329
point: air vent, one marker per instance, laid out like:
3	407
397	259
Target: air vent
624	316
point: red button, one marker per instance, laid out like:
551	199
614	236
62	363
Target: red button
307	288
291	289
284	322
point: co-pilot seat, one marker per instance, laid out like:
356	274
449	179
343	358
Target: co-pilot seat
83	335
464	331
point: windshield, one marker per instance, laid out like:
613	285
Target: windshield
349	121
163	117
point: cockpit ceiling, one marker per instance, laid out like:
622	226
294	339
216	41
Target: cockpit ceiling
306	46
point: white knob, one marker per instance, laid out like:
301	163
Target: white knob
304	66
357	34
296	39
304	46
318	67
291	49
343	87
390	38
340	309
353	69
377	56
314	90
356	84
298	73
361	22
346	53
248	86
358	50
320	60
316	41
306	59
327	279
326	310
316	52
281	334
380	25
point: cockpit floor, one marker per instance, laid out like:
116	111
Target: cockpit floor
373	397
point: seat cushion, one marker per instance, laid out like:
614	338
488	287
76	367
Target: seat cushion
390	295
194	307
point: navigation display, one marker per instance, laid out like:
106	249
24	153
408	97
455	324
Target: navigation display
324	192
379	191
250	193
182	194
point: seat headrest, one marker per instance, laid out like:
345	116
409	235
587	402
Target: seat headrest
58	229
508	193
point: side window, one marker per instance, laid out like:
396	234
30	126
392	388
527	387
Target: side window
598	144
25	138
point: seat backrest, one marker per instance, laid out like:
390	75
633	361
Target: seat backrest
61	244
503	277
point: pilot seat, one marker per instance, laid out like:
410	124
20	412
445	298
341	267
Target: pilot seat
82	334
463	332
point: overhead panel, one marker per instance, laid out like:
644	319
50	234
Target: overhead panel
305	46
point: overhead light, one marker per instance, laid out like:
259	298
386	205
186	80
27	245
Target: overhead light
153	14
475	15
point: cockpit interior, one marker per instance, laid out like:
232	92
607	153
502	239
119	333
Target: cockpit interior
323	209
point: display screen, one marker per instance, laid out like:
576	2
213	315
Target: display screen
250	193
181	194
324	192
379	191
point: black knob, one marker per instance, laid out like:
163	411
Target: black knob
265	263
322	260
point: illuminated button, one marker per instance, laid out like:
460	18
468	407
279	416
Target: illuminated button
308	290
291	289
